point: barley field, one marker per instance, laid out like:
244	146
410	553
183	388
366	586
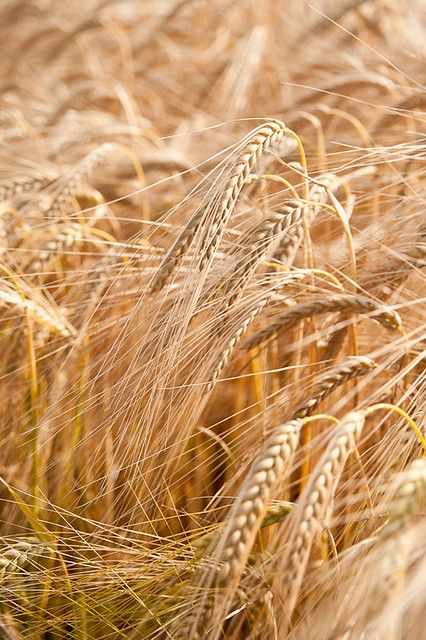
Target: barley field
213	319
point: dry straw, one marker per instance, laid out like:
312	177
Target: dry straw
155	490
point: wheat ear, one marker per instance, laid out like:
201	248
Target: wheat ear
21	186
354	367
250	507
313	509
177	250
68	236
289	243
348	303
260	139
258	243
70	184
230	552
45	317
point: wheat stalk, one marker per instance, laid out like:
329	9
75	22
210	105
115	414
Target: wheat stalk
235	338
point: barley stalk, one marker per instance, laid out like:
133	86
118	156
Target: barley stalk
260	242
238	333
68	236
289	243
235	339
266	135
410	489
7	629
15	556
390	553
276	512
235	541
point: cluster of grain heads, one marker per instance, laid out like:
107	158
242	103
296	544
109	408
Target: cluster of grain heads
261	139
24	583
130	423
348	303
312	512
216	215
